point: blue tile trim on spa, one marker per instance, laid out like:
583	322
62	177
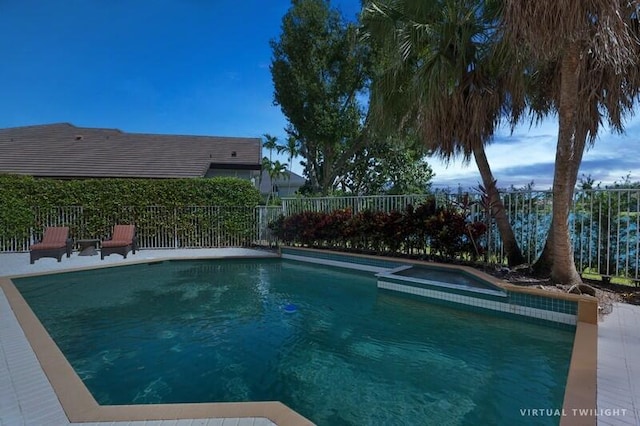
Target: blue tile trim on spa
492	312
512	298
541	302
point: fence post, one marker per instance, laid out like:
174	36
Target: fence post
176	242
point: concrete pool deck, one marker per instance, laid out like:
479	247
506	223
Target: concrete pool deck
27	397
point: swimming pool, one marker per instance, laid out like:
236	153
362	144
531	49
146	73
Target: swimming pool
195	331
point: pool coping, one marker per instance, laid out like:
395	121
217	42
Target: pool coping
581	387
78	403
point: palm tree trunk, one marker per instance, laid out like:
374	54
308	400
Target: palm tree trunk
544	264
511	248
563	269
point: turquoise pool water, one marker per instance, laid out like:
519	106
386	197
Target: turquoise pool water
445	276
207	331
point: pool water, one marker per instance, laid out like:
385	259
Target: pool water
445	276
348	354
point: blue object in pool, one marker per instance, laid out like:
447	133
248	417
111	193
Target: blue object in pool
290	308
431	364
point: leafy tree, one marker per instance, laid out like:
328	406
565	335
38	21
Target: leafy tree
389	167
582	57
320	72
442	74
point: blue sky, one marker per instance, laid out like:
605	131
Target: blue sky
202	67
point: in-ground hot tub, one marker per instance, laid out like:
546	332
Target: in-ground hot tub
433	277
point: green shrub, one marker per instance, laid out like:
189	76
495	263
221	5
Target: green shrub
25	202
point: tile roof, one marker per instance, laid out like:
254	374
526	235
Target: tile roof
64	150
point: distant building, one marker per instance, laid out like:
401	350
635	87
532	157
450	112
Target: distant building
285	186
65	151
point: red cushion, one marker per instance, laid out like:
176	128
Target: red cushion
123	233
55	235
116	243
47	246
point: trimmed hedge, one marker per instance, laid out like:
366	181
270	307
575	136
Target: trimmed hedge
444	232
106	201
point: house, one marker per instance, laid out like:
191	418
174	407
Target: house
285	186
63	150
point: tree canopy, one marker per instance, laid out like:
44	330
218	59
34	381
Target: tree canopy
320	72
392	165
583	60
439	73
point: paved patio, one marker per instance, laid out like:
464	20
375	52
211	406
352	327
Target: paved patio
27	398
18	263
619	366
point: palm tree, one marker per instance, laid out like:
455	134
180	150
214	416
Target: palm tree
275	170
442	77
270	143
264	166
585	54
292	148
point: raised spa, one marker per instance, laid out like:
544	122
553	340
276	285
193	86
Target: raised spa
440	278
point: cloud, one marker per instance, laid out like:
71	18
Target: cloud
514	159
528	155
541	174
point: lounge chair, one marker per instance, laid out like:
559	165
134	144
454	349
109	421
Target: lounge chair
123	240
55	242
